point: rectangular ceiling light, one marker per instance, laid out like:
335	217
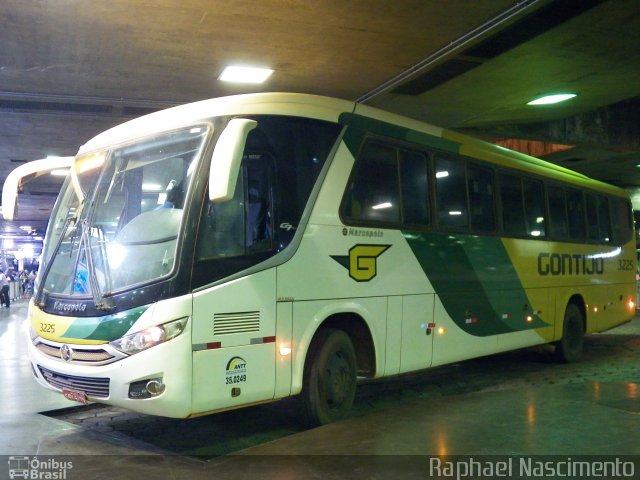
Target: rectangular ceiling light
551	99
238	74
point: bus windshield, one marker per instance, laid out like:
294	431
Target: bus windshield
116	223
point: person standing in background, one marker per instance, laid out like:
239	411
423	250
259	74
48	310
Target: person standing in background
22	278
4	291
30	282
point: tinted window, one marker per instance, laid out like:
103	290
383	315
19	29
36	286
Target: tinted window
451	193
597	213
604	225
512	207
591	207
534	207
374	193
557	213
414	181
575	212
282	160
481	199
243	225
621	221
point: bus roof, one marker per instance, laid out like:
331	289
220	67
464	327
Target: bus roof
330	109
294	104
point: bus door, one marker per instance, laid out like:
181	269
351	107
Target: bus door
234	323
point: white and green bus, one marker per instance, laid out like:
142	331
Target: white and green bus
241	250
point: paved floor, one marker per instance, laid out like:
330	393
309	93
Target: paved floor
512	404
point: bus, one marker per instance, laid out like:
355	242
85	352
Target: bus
249	248
18	467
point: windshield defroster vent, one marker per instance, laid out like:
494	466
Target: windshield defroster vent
236	322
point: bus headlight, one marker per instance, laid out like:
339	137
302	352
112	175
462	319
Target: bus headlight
32	334
149	337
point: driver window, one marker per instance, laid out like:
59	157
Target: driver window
244	225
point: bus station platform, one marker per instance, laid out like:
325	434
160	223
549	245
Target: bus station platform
514	405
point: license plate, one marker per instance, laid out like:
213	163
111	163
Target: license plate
75	396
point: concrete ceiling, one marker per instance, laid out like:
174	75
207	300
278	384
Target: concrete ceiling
72	68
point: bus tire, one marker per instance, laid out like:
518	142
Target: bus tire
569	347
329	384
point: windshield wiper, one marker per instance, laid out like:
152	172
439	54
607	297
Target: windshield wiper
101	302
47	268
120	167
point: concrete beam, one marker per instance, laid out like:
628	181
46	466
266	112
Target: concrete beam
615	127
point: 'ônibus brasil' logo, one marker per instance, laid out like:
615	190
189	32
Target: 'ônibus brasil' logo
361	261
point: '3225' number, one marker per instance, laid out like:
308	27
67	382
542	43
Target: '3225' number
47	328
625	265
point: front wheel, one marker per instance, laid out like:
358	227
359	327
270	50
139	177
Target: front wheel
329	384
569	347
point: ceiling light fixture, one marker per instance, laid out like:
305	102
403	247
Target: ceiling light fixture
551	99
239	74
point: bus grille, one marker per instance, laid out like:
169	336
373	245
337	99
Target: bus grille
92	387
237	322
85	354
78	355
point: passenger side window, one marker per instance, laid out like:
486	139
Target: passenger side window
451	193
481	199
575	211
512	207
414	180
604	224
597	213
557	213
374	193
591	204
534	207
621	220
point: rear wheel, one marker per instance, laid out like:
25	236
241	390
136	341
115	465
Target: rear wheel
329	379
569	348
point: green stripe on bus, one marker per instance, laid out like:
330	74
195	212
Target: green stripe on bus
476	282
359	125
108	328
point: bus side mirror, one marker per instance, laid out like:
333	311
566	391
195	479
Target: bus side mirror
15	179
226	158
